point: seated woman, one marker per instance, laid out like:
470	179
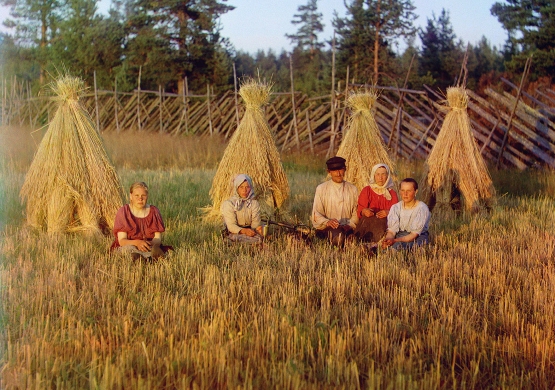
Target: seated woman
374	203
241	213
408	220
138	226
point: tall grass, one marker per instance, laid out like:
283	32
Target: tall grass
472	310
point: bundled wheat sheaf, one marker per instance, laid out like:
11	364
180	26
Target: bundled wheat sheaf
252	151
71	184
455	158
362	146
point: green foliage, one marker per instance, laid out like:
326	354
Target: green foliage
531	28
36	25
88	43
441	55
367	33
310	21
181	38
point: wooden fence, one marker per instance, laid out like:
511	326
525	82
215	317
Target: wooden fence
512	128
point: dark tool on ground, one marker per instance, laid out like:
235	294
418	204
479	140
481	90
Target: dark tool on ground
300	230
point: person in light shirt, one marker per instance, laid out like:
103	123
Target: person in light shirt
408	220
334	211
241	213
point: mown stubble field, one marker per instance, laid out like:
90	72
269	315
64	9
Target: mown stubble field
473	310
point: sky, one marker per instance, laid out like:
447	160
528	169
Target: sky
262	24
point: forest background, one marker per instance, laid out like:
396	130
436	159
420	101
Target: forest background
168	42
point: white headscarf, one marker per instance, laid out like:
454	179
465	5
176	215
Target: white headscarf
236	200
381	190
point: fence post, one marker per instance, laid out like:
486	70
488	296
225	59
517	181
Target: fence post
186	105
116	103
3	100
209	109
506	136
96	104
294	104
139	99
332	137
309	132
236	100
29	103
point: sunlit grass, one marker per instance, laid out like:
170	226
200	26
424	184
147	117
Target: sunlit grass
472	310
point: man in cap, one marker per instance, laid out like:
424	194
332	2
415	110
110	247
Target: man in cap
334	212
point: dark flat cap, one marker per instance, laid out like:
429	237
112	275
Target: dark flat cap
335	163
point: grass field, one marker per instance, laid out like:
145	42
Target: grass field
473	310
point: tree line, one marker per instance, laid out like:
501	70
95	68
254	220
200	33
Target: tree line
178	45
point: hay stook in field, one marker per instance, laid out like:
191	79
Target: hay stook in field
252	151
455	172
362	146
71	185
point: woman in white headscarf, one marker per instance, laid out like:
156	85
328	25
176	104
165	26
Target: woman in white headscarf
241	212
374	203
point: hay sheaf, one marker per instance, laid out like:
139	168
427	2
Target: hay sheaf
252	151
71	184
362	145
455	160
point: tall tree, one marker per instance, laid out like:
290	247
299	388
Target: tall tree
190	31
441	54
310	24
483	61
35	23
531	28
375	24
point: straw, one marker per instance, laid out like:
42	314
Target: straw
362	146
71	184
252	151
455	163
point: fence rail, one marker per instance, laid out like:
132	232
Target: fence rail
409	120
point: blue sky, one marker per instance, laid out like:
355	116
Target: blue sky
262	24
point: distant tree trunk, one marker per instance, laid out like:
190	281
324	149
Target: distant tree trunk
43	43
376	45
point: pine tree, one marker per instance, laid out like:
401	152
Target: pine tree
369	29
310	24
35	23
531	28
187	37
441	54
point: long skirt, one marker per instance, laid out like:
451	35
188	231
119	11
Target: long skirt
371	229
422	239
336	237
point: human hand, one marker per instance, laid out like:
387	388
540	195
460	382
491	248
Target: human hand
387	242
367	212
248	232
333	223
143	246
382	213
259	230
